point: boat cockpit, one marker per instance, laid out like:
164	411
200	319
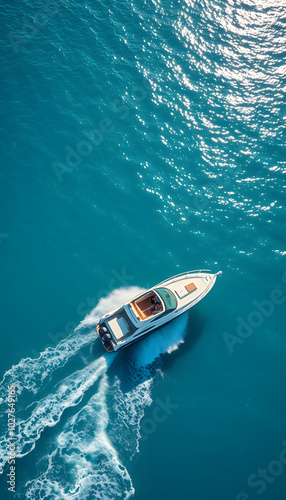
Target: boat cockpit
147	305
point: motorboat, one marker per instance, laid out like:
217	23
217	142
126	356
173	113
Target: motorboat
153	308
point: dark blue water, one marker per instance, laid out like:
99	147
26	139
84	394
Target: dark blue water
140	140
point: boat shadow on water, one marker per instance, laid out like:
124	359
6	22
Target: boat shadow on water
141	361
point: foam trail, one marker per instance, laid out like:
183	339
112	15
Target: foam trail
49	410
129	409
83	447
29	374
144	363
83	463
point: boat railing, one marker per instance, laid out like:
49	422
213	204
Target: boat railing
187	272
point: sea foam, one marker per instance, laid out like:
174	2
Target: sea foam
83	460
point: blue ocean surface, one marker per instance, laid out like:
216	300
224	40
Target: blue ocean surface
141	139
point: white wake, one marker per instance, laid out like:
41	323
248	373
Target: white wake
82	460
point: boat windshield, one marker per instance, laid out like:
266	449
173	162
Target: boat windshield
168	298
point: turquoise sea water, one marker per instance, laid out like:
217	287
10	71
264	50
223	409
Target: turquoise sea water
141	139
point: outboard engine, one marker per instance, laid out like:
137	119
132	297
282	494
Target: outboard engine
103	330
106	337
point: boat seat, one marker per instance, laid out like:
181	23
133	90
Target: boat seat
137	310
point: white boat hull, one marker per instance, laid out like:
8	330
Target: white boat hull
125	325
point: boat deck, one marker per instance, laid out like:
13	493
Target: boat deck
120	324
